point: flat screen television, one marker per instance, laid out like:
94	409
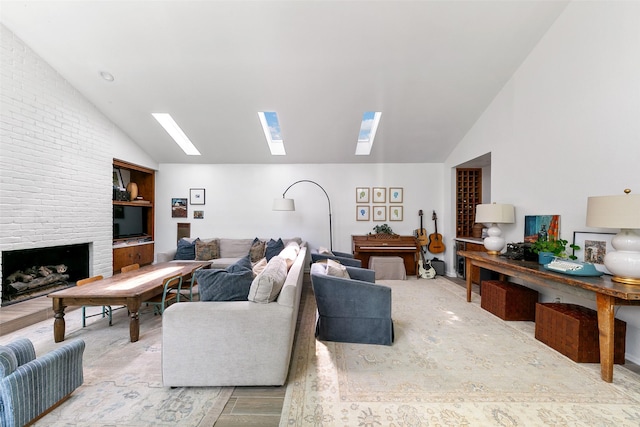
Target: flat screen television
129	221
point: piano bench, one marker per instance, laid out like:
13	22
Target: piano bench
388	267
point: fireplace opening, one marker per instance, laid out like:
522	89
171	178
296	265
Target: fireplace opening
30	273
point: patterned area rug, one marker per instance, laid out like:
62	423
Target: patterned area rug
123	380
452	364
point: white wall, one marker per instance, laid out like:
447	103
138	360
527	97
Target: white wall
239	199
566	127
57	155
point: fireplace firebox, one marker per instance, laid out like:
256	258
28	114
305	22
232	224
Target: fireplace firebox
30	273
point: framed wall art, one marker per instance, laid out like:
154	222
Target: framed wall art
362	195
178	208
379	195
395	194
545	226
395	213
196	196
198	214
362	213
593	248
379	213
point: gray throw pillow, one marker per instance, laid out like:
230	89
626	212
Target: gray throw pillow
186	250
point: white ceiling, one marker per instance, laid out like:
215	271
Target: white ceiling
431	67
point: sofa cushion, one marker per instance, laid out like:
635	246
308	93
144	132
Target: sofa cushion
324	251
234	248
290	253
257	250
243	263
222	285
268	284
273	248
8	361
206	251
259	266
336	269
186	249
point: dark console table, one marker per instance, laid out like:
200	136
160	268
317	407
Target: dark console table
608	294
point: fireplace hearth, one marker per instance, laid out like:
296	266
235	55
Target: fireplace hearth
30	273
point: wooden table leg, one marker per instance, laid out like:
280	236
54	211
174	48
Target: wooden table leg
134	320
606	324
58	323
467	270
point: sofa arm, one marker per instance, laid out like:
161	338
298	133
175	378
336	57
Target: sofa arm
350	261
363	274
166	256
39	384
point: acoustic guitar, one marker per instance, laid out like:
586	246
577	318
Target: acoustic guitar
435	239
421	233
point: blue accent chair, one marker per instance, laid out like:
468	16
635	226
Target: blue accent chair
343	258
354	310
30	386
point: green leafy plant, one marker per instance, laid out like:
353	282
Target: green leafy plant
557	247
383	229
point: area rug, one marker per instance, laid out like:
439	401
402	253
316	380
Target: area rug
123	380
452	364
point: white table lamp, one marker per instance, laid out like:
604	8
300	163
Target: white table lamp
621	212
494	214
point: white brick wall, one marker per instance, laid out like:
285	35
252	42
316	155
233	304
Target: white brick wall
55	160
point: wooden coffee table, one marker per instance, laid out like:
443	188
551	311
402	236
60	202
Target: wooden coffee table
130	289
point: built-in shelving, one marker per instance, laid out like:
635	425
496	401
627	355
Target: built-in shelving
468	195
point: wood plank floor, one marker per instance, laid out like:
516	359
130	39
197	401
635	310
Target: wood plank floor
247	407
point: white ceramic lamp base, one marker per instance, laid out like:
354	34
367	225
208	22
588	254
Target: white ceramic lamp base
624	262
494	242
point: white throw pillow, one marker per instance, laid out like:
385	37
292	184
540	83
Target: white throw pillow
267	285
324	251
336	269
259	266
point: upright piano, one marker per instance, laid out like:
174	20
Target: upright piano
406	247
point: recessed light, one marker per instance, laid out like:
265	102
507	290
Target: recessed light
107	76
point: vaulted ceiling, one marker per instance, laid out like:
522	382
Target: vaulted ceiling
430	67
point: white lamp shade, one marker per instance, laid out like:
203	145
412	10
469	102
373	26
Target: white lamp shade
614	211
495	214
282	204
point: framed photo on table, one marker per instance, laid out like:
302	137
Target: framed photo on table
593	248
196	196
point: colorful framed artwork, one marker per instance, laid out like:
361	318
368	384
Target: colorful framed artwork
541	226
593	248
362	195
379	195
395	194
362	213
196	196
379	213
395	213
198	214
178	208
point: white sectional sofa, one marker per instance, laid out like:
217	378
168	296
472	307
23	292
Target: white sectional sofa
233	343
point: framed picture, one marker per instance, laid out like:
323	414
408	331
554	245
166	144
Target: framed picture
178	208
196	196
117	178
379	213
362	194
545	226
198	214
362	213
395	194
395	213
379	195
593	248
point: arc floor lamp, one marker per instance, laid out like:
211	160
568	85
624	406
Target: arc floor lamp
285	204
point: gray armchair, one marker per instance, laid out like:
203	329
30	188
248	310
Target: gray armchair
30	386
343	258
354	310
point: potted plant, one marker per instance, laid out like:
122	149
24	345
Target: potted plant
383	229
548	249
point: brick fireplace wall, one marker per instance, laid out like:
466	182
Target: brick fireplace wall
56	163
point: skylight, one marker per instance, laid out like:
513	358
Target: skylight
368	128
176	133
272	132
